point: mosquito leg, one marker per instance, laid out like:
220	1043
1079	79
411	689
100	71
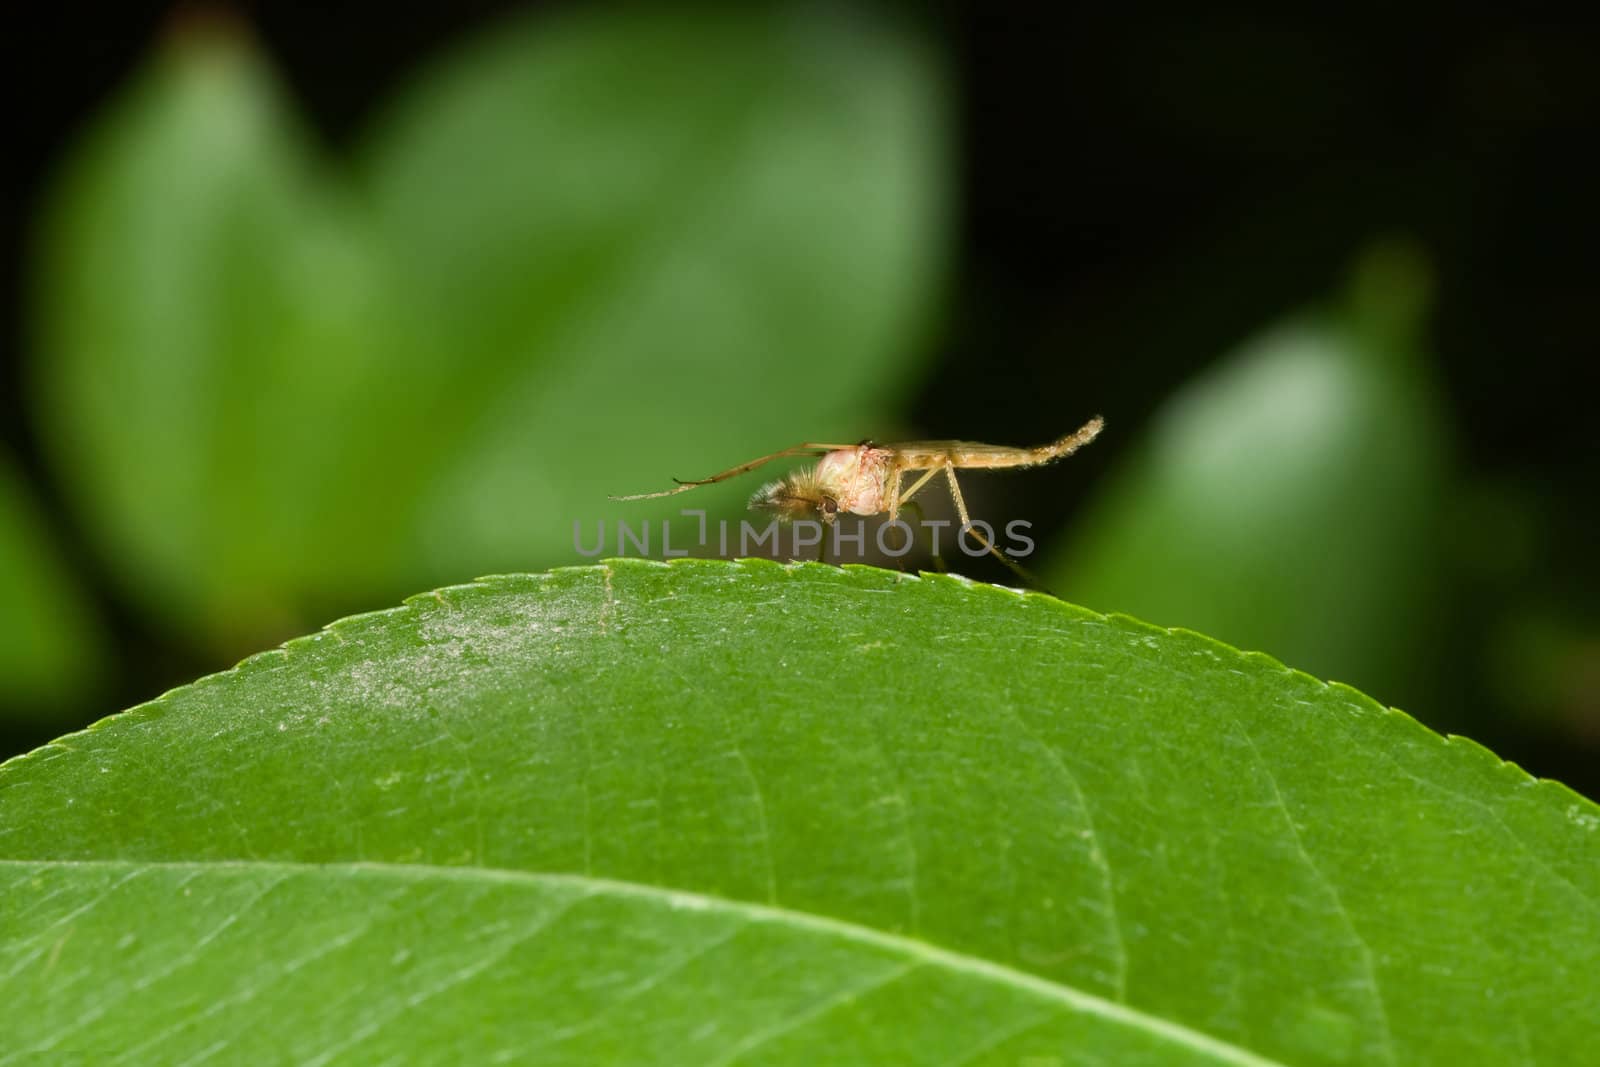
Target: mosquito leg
933	555
900	560
966	526
807	448
894	494
897	498
955	493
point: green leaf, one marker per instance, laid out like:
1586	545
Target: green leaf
1289	499
52	650
664	243
273	386
708	811
206	320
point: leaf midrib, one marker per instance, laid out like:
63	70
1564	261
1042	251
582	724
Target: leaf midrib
680	899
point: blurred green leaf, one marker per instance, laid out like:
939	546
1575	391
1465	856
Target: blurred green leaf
1289	499
715	811
667	243
581	256
51	647
209	328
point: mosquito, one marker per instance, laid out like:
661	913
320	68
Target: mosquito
870	479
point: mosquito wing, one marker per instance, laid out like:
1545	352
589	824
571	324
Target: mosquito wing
925	455
975	455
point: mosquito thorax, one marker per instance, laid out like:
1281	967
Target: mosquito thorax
857	479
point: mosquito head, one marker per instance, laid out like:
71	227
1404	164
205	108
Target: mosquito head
799	496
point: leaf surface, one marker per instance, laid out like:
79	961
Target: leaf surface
711	812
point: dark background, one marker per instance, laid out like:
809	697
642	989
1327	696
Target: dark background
1112	166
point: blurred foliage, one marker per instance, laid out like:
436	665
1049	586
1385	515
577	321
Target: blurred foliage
588	251
1289	499
52	649
576	255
